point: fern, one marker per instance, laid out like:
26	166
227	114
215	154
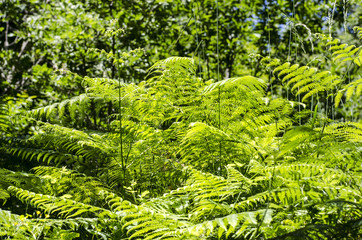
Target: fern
354	87
200	159
341	50
308	82
4	119
60	206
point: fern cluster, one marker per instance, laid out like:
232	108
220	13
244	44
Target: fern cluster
180	157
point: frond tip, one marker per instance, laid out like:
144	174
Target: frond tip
173	66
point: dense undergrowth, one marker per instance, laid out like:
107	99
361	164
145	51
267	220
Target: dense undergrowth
180	157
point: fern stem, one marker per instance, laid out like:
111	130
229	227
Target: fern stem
180	35
269	50
197	38
289	44
121	134
330	20
218	76
217	39
113	65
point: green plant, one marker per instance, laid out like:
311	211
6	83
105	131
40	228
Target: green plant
177	156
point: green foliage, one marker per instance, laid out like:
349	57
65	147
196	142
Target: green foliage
254	174
178	155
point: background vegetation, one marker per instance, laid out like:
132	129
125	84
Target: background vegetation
252	132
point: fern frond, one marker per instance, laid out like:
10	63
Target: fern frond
347	131
72	142
15	226
41	155
298	72
75	105
24	227
4	119
302	79
342	50
140	221
281	68
60	206
358	30
309	81
107	88
354	87
247	83
288	70
174	65
235	225
19	179
201	146
65	182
